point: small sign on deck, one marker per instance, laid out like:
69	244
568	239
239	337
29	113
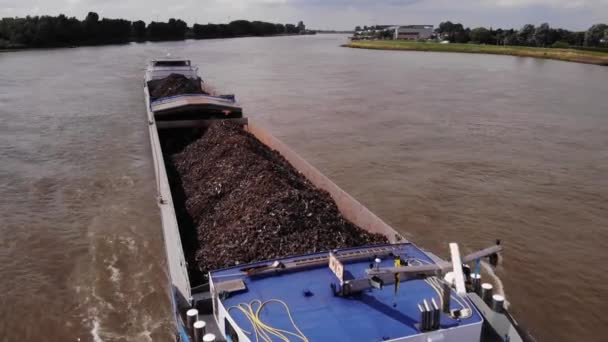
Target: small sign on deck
336	266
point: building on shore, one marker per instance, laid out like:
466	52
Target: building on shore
404	32
413	32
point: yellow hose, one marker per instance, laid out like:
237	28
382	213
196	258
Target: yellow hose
263	330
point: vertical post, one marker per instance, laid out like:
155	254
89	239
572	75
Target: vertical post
191	317
477	266
429	315
436	315
457	265
423	317
486	292
447	292
498	303
199	330
476	282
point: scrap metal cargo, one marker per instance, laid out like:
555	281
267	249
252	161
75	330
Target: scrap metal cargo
246	203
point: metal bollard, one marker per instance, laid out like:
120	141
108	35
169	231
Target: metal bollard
199	330
486	293
498	303
476	282
191	317
209	338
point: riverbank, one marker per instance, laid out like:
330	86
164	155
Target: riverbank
15	49
33	32
570	55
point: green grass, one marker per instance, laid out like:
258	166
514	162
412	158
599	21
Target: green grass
571	55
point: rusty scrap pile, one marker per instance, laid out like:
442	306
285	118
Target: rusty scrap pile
247	203
174	84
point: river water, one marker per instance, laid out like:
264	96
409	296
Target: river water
444	147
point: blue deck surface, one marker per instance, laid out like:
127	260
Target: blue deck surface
374	315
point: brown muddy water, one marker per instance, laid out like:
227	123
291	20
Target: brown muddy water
444	147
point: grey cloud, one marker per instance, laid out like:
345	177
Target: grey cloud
338	14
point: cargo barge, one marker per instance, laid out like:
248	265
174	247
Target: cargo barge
393	291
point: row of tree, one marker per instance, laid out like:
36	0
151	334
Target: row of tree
61	30
245	28
529	35
50	31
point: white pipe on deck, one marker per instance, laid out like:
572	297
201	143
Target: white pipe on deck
457	265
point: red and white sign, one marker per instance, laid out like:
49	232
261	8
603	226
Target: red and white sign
336	266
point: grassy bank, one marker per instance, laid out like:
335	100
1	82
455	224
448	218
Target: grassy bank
571	55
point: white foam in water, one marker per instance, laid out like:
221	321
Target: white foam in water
147	334
129	242
95	331
115	273
149	325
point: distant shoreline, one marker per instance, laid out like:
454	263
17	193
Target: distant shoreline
568	55
28	48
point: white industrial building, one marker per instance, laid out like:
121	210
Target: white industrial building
413	32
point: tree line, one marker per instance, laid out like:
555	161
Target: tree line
538	36
245	28
58	31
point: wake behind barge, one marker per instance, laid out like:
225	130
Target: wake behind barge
394	292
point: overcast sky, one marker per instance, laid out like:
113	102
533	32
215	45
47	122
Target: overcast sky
332	14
